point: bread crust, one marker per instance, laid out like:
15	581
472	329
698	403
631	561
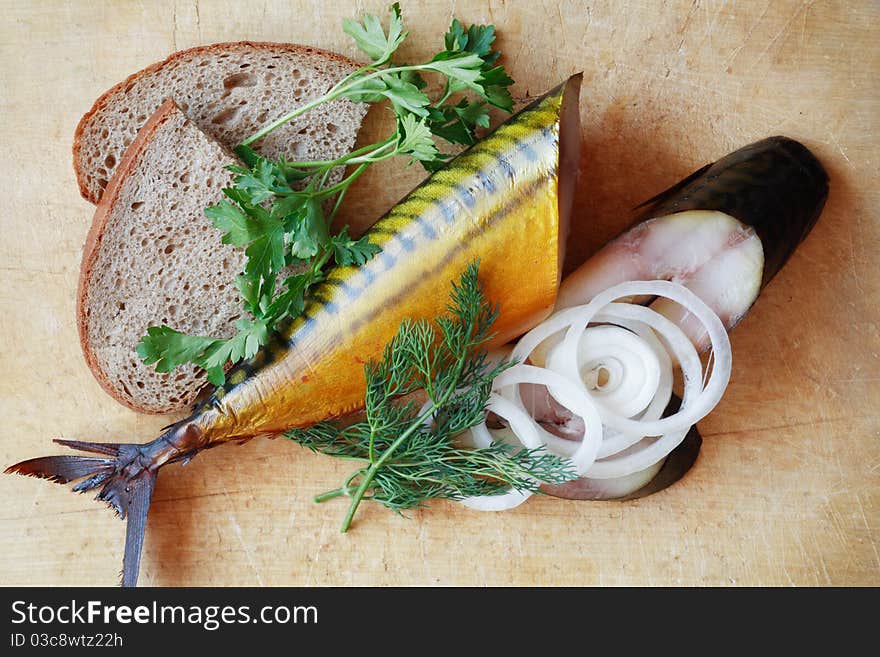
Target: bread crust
95	236
209	49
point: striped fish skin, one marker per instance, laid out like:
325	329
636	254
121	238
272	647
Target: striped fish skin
504	201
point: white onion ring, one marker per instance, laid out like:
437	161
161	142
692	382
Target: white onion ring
625	437
616	441
583	453
633	371
717	334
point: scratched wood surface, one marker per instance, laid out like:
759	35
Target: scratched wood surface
787	488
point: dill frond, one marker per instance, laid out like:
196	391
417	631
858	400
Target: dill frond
410	454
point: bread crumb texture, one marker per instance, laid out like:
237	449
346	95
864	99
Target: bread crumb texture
229	91
158	260
161	261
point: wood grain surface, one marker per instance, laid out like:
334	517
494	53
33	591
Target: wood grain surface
787	488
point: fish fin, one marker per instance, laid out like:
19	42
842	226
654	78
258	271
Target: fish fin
665	194
111	449
138	493
62	469
127	480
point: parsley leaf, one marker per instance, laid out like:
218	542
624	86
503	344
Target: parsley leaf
495	82
232	221
168	348
462	69
415	139
311	232
348	252
260	183
456	123
477	39
405	97
292	300
251	334
371	38
265	253
367	90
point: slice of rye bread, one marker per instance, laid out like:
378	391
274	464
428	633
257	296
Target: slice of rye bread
230	90
152	257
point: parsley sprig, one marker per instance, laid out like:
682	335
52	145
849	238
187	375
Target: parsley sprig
276	209
410	454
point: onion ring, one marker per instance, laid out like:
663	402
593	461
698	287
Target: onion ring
610	363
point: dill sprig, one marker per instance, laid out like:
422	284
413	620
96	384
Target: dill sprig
409	451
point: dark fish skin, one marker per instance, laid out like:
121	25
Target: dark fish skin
776	185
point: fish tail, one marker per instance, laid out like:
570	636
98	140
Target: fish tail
126	476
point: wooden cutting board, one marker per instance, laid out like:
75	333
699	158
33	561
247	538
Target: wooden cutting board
787	488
